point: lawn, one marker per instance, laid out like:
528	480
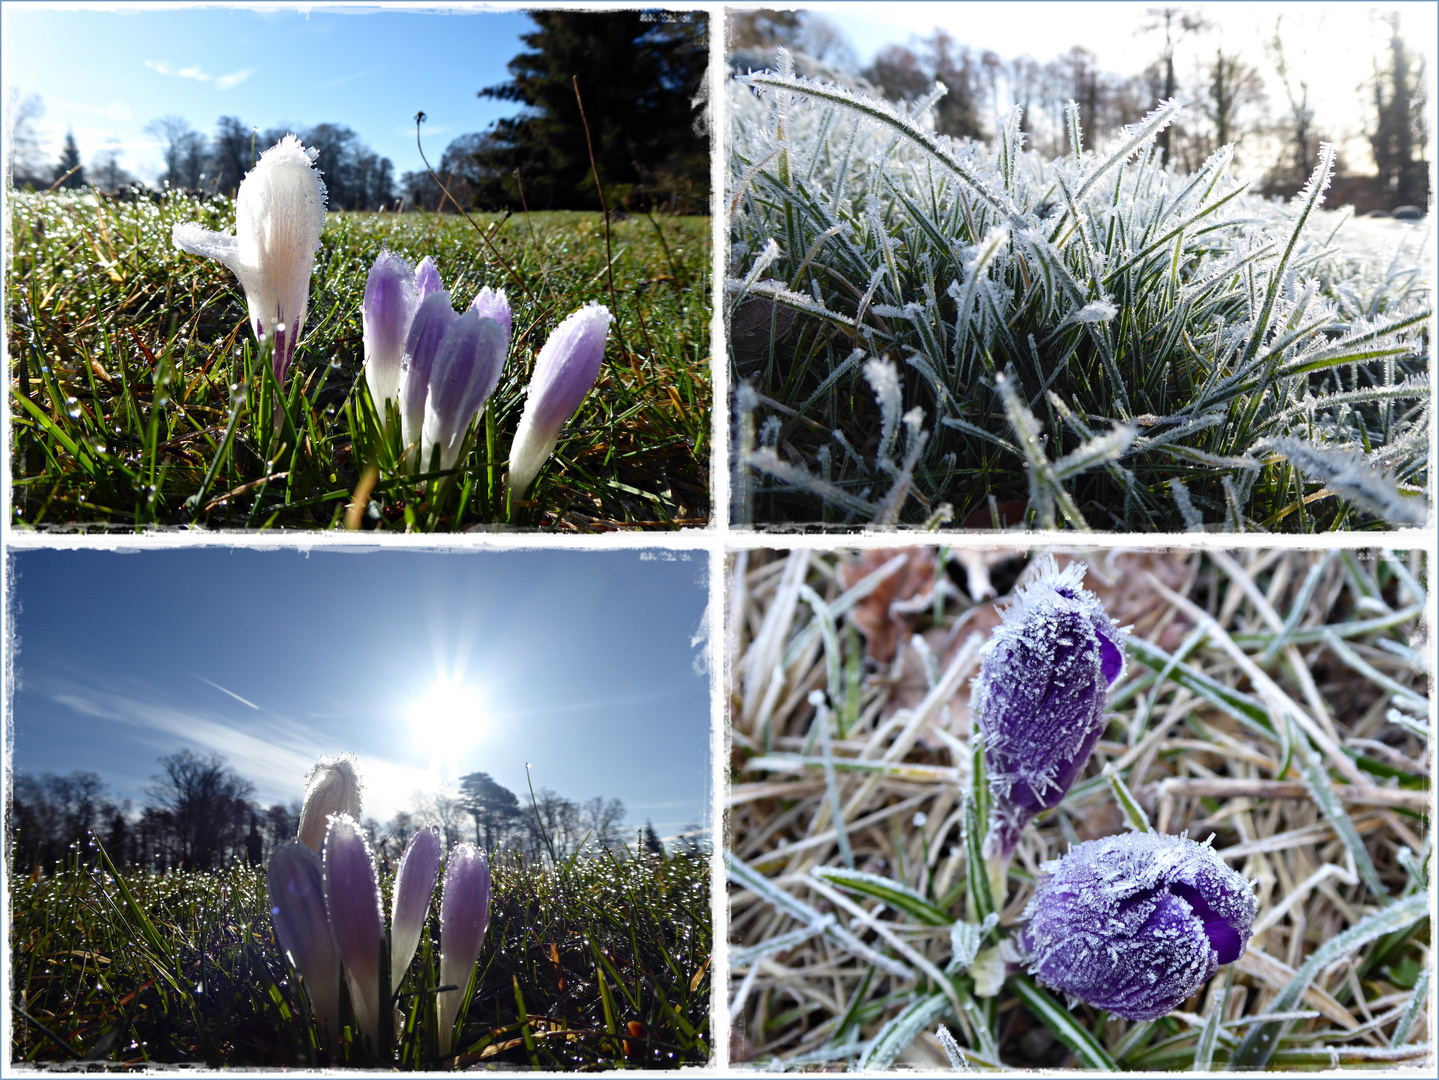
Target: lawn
139	399
602	964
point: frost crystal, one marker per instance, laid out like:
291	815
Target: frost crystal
1039	696
1136	923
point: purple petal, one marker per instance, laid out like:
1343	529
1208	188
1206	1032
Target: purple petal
387	311
495	305
566	368
353	897
1136	923
414	885
295	878
427	279
432	322
464	916
465	373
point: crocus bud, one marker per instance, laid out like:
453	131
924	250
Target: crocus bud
296	882
1136	923
464	375
331	787
353	897
464	915
492	304
1039	696
566	368
279	213
387	311
414	885
427	332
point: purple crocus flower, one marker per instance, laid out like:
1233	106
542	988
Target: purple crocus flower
427	332
279	213
296	881
387	311
1136	923
332	787
414	885
1039	696
465	372
464	916
566	368
427	279
352	896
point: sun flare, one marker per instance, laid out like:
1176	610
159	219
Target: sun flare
448	719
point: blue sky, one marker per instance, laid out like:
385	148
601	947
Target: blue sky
108	73
589	665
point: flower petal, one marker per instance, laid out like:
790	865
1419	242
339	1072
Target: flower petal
465	373
414	885
333	786
295	878
464	917
387	311
353	897
432	321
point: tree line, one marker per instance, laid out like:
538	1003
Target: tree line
640	77
200	814
1279	139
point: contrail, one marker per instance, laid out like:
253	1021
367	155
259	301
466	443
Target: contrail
232	693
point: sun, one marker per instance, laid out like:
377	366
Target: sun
448	719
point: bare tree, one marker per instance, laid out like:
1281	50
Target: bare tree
208	804
172	132
24	158
603	818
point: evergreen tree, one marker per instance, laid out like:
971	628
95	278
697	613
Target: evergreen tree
652	840
69	171
492	806
640	74
1399	100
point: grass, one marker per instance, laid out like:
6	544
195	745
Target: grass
1294	727
604	964
138	399
926	332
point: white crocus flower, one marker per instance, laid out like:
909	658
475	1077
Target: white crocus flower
279	212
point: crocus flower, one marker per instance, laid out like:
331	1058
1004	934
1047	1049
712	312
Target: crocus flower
297	908
464	916
1039	696
387	311
414	885
279	212
566	368
331	787
352	897
1136	923
439	368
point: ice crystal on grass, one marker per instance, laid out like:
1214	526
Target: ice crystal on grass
1107	290
1039	696
1136	923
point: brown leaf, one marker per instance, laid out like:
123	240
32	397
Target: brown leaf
873	616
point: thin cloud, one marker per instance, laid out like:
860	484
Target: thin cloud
194	71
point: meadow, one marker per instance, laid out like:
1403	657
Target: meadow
139	400
600	963
1275	700
928	332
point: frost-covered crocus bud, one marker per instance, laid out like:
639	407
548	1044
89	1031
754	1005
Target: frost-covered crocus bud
1039	696
464	916
296	882
566	368
414	885
352	896
1136	923
464	374
427	279
386	313
332	787
279	213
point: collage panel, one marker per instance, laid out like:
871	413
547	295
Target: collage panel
388	270
1108	809
1028	266
476	783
